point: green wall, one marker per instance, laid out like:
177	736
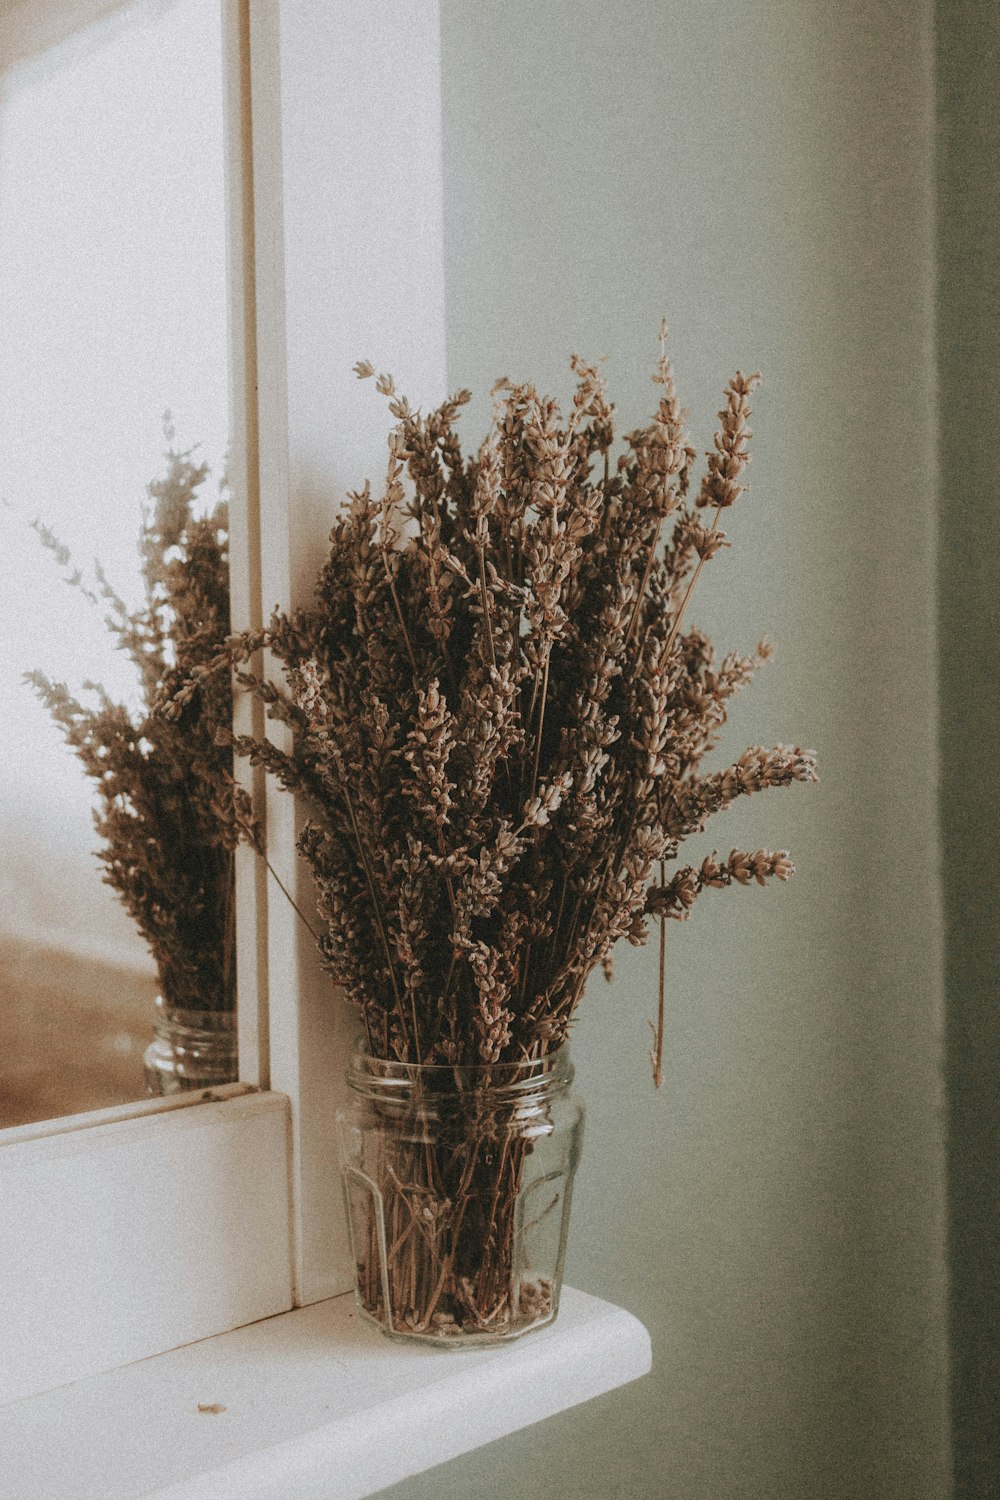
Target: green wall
763	173
969	366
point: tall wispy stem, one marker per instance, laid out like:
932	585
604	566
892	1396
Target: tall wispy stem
399	615
675	628
656	1056
633	623
372	889
484	594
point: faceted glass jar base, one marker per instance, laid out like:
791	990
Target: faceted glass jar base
458	1183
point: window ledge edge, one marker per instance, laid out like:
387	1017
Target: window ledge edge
311	1402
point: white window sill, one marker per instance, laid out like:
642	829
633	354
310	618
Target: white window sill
312	1403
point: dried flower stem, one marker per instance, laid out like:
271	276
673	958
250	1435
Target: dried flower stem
517	710
484	594
633	623
679	617
372	891
541	722
282	887
399	612
657	1053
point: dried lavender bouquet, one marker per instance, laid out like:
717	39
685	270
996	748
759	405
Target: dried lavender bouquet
165	806
498	725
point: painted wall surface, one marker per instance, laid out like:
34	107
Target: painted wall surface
763	174
968	341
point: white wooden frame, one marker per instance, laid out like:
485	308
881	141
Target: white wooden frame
268	1164
349	264
296	1043
131	1231
252	121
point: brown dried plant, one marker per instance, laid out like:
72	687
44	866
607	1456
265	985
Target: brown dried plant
499	714
166	805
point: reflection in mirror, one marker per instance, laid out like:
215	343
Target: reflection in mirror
113	306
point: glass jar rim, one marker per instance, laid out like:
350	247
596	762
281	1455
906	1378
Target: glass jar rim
552	1069
186	1018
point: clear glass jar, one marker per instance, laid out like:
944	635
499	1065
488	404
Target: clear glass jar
458	1183
192	1049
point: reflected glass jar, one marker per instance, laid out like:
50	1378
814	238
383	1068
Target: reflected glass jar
192	1049
458	1183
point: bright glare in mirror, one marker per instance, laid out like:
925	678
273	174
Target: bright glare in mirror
113	310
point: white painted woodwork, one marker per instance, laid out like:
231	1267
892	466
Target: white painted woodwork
356	139
141	1109
347	150
119	1240
134	1230
244	517
315	1404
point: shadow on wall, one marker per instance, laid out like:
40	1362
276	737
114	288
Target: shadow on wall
968	62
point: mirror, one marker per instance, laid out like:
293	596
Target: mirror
113	306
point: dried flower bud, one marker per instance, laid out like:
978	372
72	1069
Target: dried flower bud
547	801
311	693
730	455
707	542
